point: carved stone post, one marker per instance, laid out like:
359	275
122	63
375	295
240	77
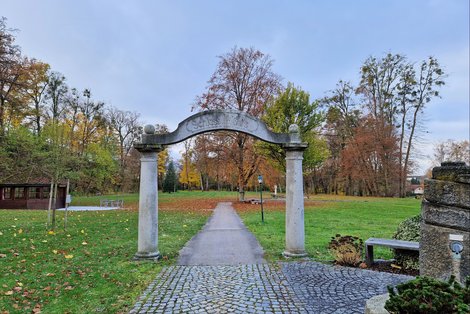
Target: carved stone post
445	228
147	247
295	229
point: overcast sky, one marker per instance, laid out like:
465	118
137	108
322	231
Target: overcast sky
155	57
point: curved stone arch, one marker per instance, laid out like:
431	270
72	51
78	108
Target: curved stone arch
218	120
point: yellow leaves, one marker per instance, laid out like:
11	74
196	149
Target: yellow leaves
10	292
44	241
185	226
83	231
84	243
1	233
51	232
20	231
54	251
69	256
20	284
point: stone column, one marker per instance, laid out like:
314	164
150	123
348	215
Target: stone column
295	229
445	229
147	247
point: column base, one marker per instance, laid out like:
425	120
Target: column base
294	254
145	256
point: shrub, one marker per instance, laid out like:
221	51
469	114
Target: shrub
408	230
347	250
428	295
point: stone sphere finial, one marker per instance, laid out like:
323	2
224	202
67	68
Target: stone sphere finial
149	129
294	132
294	128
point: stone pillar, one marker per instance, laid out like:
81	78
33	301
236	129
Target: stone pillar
295	229
445	230
147	247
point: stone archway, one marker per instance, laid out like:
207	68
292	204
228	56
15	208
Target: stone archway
218	120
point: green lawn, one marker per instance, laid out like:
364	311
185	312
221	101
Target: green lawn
87	268
92	260
362	217
133	199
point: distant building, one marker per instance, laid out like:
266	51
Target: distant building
415	185
31	195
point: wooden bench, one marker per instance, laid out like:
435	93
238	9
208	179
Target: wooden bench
393	244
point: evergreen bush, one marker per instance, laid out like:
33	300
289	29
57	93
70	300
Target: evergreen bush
428	295
408	230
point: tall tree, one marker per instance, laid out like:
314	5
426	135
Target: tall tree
244	81
451	150
342	118
292	106
396	94
56	94
170	183
35	81
10	72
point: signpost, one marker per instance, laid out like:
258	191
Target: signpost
260	181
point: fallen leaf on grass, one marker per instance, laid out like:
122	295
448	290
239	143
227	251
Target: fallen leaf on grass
44	241
9	292
68	256
20	231
395	266
68	288
3	255
54	251
50	275
1	233
17	289
51	232
84	243
37	309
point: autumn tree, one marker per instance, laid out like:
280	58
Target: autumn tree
396	93
371	160
342	117
35	81
243	81
189	176
451	150
10	72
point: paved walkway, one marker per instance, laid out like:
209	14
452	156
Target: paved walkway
256	287
224	240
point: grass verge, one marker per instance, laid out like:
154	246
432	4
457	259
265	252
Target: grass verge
327	216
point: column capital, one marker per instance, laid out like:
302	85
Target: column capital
147	148
295	146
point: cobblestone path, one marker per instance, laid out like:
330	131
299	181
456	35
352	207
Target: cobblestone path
290	287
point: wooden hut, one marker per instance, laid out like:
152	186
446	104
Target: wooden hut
31	195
